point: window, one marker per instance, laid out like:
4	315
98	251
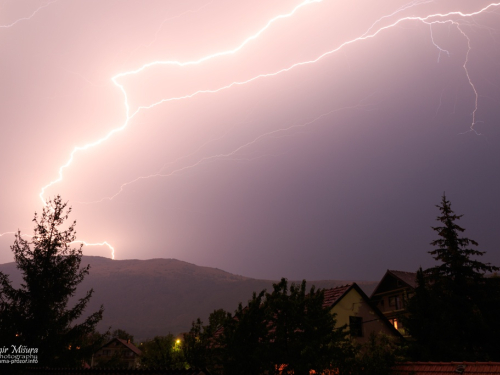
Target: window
395	302
394	322
356	326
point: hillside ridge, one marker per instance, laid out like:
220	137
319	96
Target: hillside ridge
161	295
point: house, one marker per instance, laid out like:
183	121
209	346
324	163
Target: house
392	294
446	368
117	352
354	309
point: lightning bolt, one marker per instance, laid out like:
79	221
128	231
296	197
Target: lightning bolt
372	32
169	62
365	36
410	5
441	50
104	243
235	151
6	233
122	187
85	243
28	17
470	81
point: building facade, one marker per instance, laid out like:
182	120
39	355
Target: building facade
392	294
354	309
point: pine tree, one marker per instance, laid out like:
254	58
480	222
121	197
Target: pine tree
454	303
37	314
454	252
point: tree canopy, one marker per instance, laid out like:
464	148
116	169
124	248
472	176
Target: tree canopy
283	332
37	314
303	335
454	312
163	352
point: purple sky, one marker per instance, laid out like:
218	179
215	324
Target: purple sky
275	158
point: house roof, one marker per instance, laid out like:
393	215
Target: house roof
334	295
409	278
444	368
129	345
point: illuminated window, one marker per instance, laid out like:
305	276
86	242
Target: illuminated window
394	323
356	326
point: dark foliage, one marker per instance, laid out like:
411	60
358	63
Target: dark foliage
454	312
377	356
162	352
286	331
243	344
200	345
302	335
37	314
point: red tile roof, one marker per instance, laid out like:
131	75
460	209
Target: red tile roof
334	294
444	368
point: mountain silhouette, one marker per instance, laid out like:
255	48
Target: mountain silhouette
160	296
